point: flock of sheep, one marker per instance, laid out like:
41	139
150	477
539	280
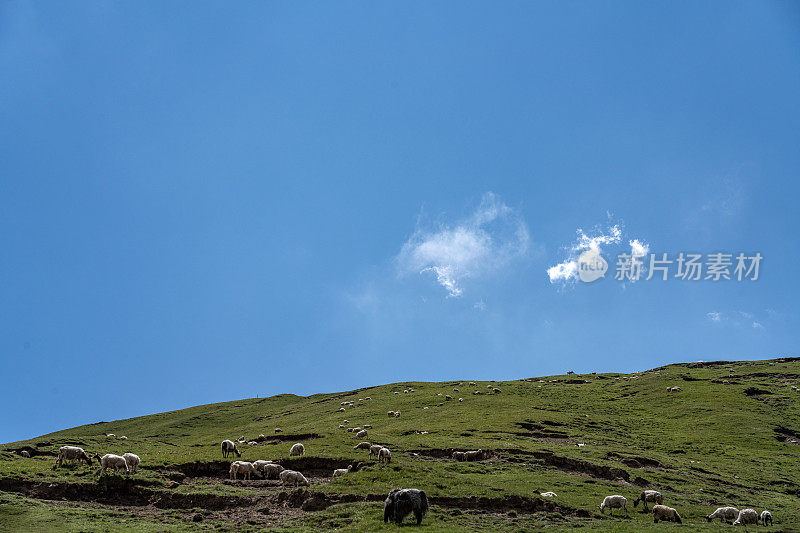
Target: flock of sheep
668	514
400	502
128	462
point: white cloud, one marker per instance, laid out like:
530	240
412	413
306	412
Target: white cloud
568	269
638	248
714	316
480	305
485	242
757	325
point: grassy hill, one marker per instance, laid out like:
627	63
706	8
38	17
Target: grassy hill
729	437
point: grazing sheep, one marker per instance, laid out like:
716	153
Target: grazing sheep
461	399
342	409
133	462
668	514
293	477
459	456
489	386
746	516
402	502
614	502
361	434
674	389
472	383
765	517
545	494
242	467
474	455
241	440
272	470
25	453
111	435
375	450
123	437
477	392
115	462
342	426
397	414
342	471
229	447
345	421
496	390
297	449
72	453
368	398
724	514
390	414
367	426
261	465
278	430
448	397
652	496
455	390
384	455
362	446
396	392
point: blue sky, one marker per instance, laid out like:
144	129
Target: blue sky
209	203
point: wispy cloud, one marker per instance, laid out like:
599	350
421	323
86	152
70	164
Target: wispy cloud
486	241
740	319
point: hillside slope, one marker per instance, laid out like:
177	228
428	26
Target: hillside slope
729	437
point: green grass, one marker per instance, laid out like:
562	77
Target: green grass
717	445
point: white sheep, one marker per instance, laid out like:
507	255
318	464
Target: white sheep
765	517
123	437
472	384
390	414
229	447
111	435
668	514
242	467
272	470
278	430
261	464
546	494
652	496
384	455
375	450
367	426
115	462
293	477
72	453
362	446
674	389
724	514
746	516
25	453
397	414
448	397
614	502
342	471
297	449
496	390
461	399
361	434
133	462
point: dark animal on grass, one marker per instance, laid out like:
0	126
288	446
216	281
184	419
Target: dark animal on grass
402	502
229	447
